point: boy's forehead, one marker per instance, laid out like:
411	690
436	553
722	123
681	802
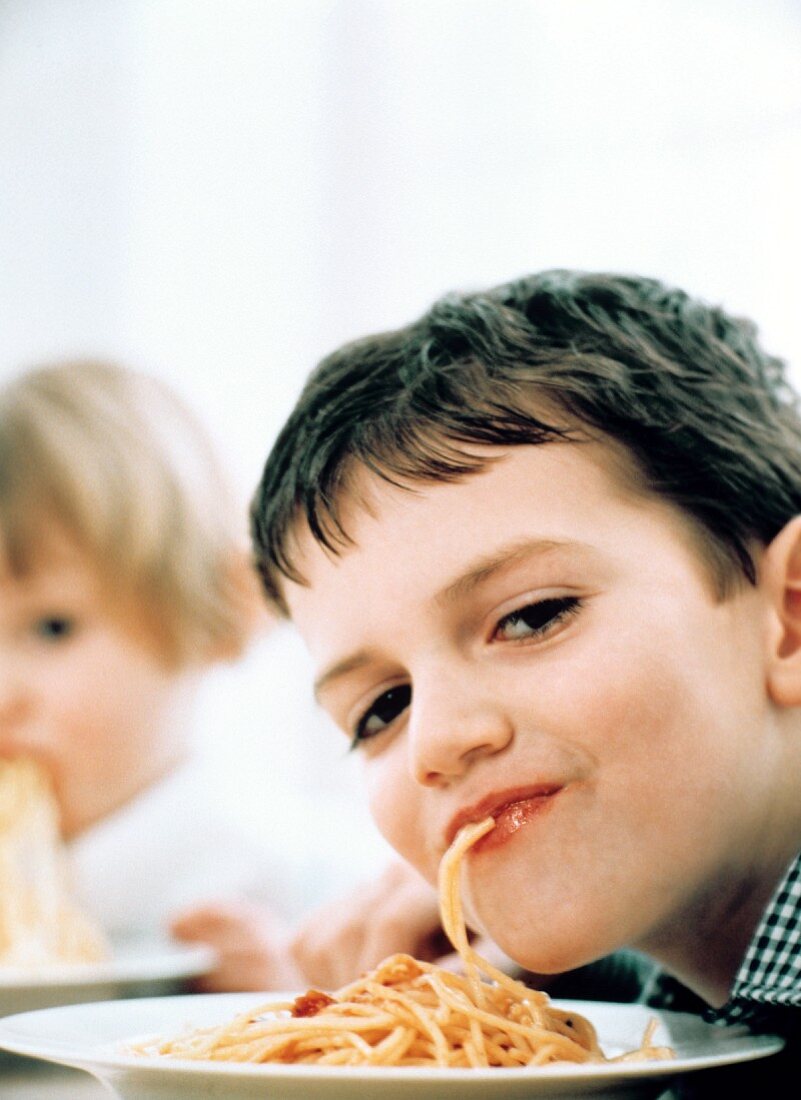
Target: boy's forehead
362	493
552	491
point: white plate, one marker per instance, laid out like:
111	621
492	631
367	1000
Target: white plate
137	967
93	1037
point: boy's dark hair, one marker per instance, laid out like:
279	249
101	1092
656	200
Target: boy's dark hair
706	415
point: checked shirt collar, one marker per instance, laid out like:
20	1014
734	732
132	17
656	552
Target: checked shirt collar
770	973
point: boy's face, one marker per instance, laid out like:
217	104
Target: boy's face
537	643
83	687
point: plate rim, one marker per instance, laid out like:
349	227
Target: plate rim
158	960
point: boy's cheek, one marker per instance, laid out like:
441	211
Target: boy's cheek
396	807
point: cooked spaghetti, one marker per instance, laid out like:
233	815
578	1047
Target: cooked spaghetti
411	1013
38	923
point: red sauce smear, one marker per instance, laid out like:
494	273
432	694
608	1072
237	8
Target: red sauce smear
310	1003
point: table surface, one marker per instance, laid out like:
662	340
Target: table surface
24	1079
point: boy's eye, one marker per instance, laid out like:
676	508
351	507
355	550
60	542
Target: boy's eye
535	619
54	627
384	710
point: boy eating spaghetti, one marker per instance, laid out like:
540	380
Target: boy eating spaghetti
544	546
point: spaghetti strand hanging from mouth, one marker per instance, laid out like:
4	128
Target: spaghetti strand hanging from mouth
408	1012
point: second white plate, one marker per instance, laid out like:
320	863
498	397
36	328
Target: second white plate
138	967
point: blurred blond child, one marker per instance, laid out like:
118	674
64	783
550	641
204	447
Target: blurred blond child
123	580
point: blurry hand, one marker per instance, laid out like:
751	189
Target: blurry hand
250	943
397	912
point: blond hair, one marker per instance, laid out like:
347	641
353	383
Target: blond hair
114	458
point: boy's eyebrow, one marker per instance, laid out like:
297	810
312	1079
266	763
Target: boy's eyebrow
504	557
477	573
341	668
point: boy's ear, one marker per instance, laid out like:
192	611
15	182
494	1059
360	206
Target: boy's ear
782	578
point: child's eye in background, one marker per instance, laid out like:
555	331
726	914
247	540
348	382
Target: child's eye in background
54	628
535	619
384	710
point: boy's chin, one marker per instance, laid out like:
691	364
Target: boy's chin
546	958
538	942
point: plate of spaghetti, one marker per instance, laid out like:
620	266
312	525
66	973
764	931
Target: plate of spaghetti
406	1030
50	951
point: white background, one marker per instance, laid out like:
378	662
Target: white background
221	191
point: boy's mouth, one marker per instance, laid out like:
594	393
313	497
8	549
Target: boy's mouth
511	809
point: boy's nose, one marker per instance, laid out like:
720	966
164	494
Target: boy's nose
451	727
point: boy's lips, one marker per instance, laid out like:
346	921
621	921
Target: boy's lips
511	809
